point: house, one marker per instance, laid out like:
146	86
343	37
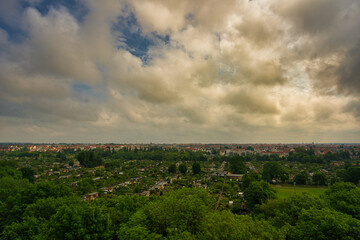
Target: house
235	176
199	185
125	183
65	176
159	185
107	190
219	174
145	193
90	196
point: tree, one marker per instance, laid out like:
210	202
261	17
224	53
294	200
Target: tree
237	165
250	148
35	218
225	225
301	178
136	228
61	156
8	168
196	168
128	232
258	193
179	211
89	158
274	171
182	168
16	195
250	177
85	185
79	221
172	168
28	173
286	211
44	208
121	208
319	178
345	197
27	229
49	189
342	174
353	175
325	224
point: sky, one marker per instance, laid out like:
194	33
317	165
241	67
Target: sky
162	71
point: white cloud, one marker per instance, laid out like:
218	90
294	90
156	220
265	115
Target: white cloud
231	71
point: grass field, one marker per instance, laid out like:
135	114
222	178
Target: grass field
287	190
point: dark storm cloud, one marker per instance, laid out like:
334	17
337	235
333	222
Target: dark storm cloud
349	71
179	70
250	102
311	17
327	32
353	108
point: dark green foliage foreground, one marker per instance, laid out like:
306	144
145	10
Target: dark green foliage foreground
49	211
52	209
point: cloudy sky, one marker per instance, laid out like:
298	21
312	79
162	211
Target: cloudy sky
139	71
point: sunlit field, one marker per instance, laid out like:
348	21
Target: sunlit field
288	190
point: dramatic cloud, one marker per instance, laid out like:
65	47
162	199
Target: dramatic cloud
180	71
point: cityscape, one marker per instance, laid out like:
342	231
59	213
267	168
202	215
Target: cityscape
89	183
172	120
282	150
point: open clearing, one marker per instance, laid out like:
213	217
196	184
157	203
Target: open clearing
288	190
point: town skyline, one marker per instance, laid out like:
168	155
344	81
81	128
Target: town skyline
181	143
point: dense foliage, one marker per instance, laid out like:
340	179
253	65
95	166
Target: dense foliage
89	158
174	195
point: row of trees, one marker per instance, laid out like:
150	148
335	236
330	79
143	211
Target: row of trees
349	174
155	154
196	168
275	172
308	156
300	155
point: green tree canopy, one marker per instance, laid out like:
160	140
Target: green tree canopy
196	168
258	193
89	158
285	211
319	178
182	168
181	210
225	225
172	168
274	171
301	178
345	197
237	165
80	221
250	177
352	175
325	224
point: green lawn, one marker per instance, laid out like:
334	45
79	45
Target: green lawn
286	191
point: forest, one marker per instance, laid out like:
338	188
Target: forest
42	195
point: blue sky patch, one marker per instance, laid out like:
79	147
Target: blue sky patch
87	91
81	88
75	7
16	9
131	37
